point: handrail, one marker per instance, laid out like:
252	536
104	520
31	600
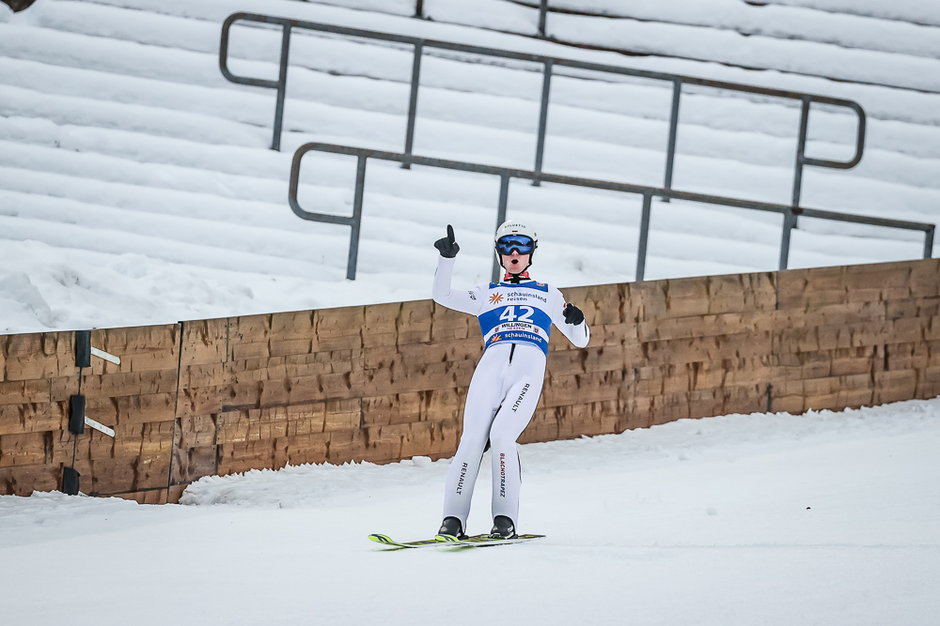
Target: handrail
548	65
505	174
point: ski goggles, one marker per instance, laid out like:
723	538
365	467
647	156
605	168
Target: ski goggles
518	243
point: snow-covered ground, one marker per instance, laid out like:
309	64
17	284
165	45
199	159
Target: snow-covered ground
136	186
824	518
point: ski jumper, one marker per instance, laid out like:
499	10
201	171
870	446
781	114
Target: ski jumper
515	319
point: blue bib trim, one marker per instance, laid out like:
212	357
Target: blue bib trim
517	336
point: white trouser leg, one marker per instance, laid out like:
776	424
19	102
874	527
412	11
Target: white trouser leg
483	398
526	374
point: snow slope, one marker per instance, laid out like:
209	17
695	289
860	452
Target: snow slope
824	518
136	187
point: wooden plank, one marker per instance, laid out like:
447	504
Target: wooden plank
150	496
33	417
407	377
708	325
242	457
593	387
587	419
24	449
895	386
204	342
192	463
127	384
136	409
709	349
414	322
23	480
38	356
140	349
345	445
339	329
416	406
928	383
106	476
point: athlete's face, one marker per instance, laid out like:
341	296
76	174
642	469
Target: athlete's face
515	262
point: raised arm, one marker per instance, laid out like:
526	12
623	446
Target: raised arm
465	301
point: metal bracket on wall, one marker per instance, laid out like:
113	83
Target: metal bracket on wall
84	350
70	481
78	420
71	478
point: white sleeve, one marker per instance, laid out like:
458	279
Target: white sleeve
465	301
578	334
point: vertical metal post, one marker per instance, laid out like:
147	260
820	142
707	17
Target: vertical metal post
543	120
800	157
281	88
928	242
413	103
644	237
789	222
501	216
356	218
673	135
419	9
543	12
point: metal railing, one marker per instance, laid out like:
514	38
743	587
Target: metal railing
548	67
506	174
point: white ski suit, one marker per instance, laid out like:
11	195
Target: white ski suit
515	319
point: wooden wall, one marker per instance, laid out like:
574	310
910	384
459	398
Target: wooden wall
386	382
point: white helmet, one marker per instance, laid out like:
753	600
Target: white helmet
512	235
510	227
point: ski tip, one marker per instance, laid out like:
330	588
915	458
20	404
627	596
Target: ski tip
383	539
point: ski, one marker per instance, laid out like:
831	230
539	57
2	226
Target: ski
439	540
385	540
476	541
448	541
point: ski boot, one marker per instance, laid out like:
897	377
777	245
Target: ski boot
452	527
503	528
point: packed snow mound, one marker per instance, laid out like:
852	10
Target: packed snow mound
708	440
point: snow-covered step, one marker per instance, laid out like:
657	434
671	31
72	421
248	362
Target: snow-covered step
127	163
566	120
810	22
913	11
556	116
124	23
759	174
392	196
439	103
101	111
843	56
905	71
240	180
387	244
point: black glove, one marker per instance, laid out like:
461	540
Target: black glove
446	245
573	314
